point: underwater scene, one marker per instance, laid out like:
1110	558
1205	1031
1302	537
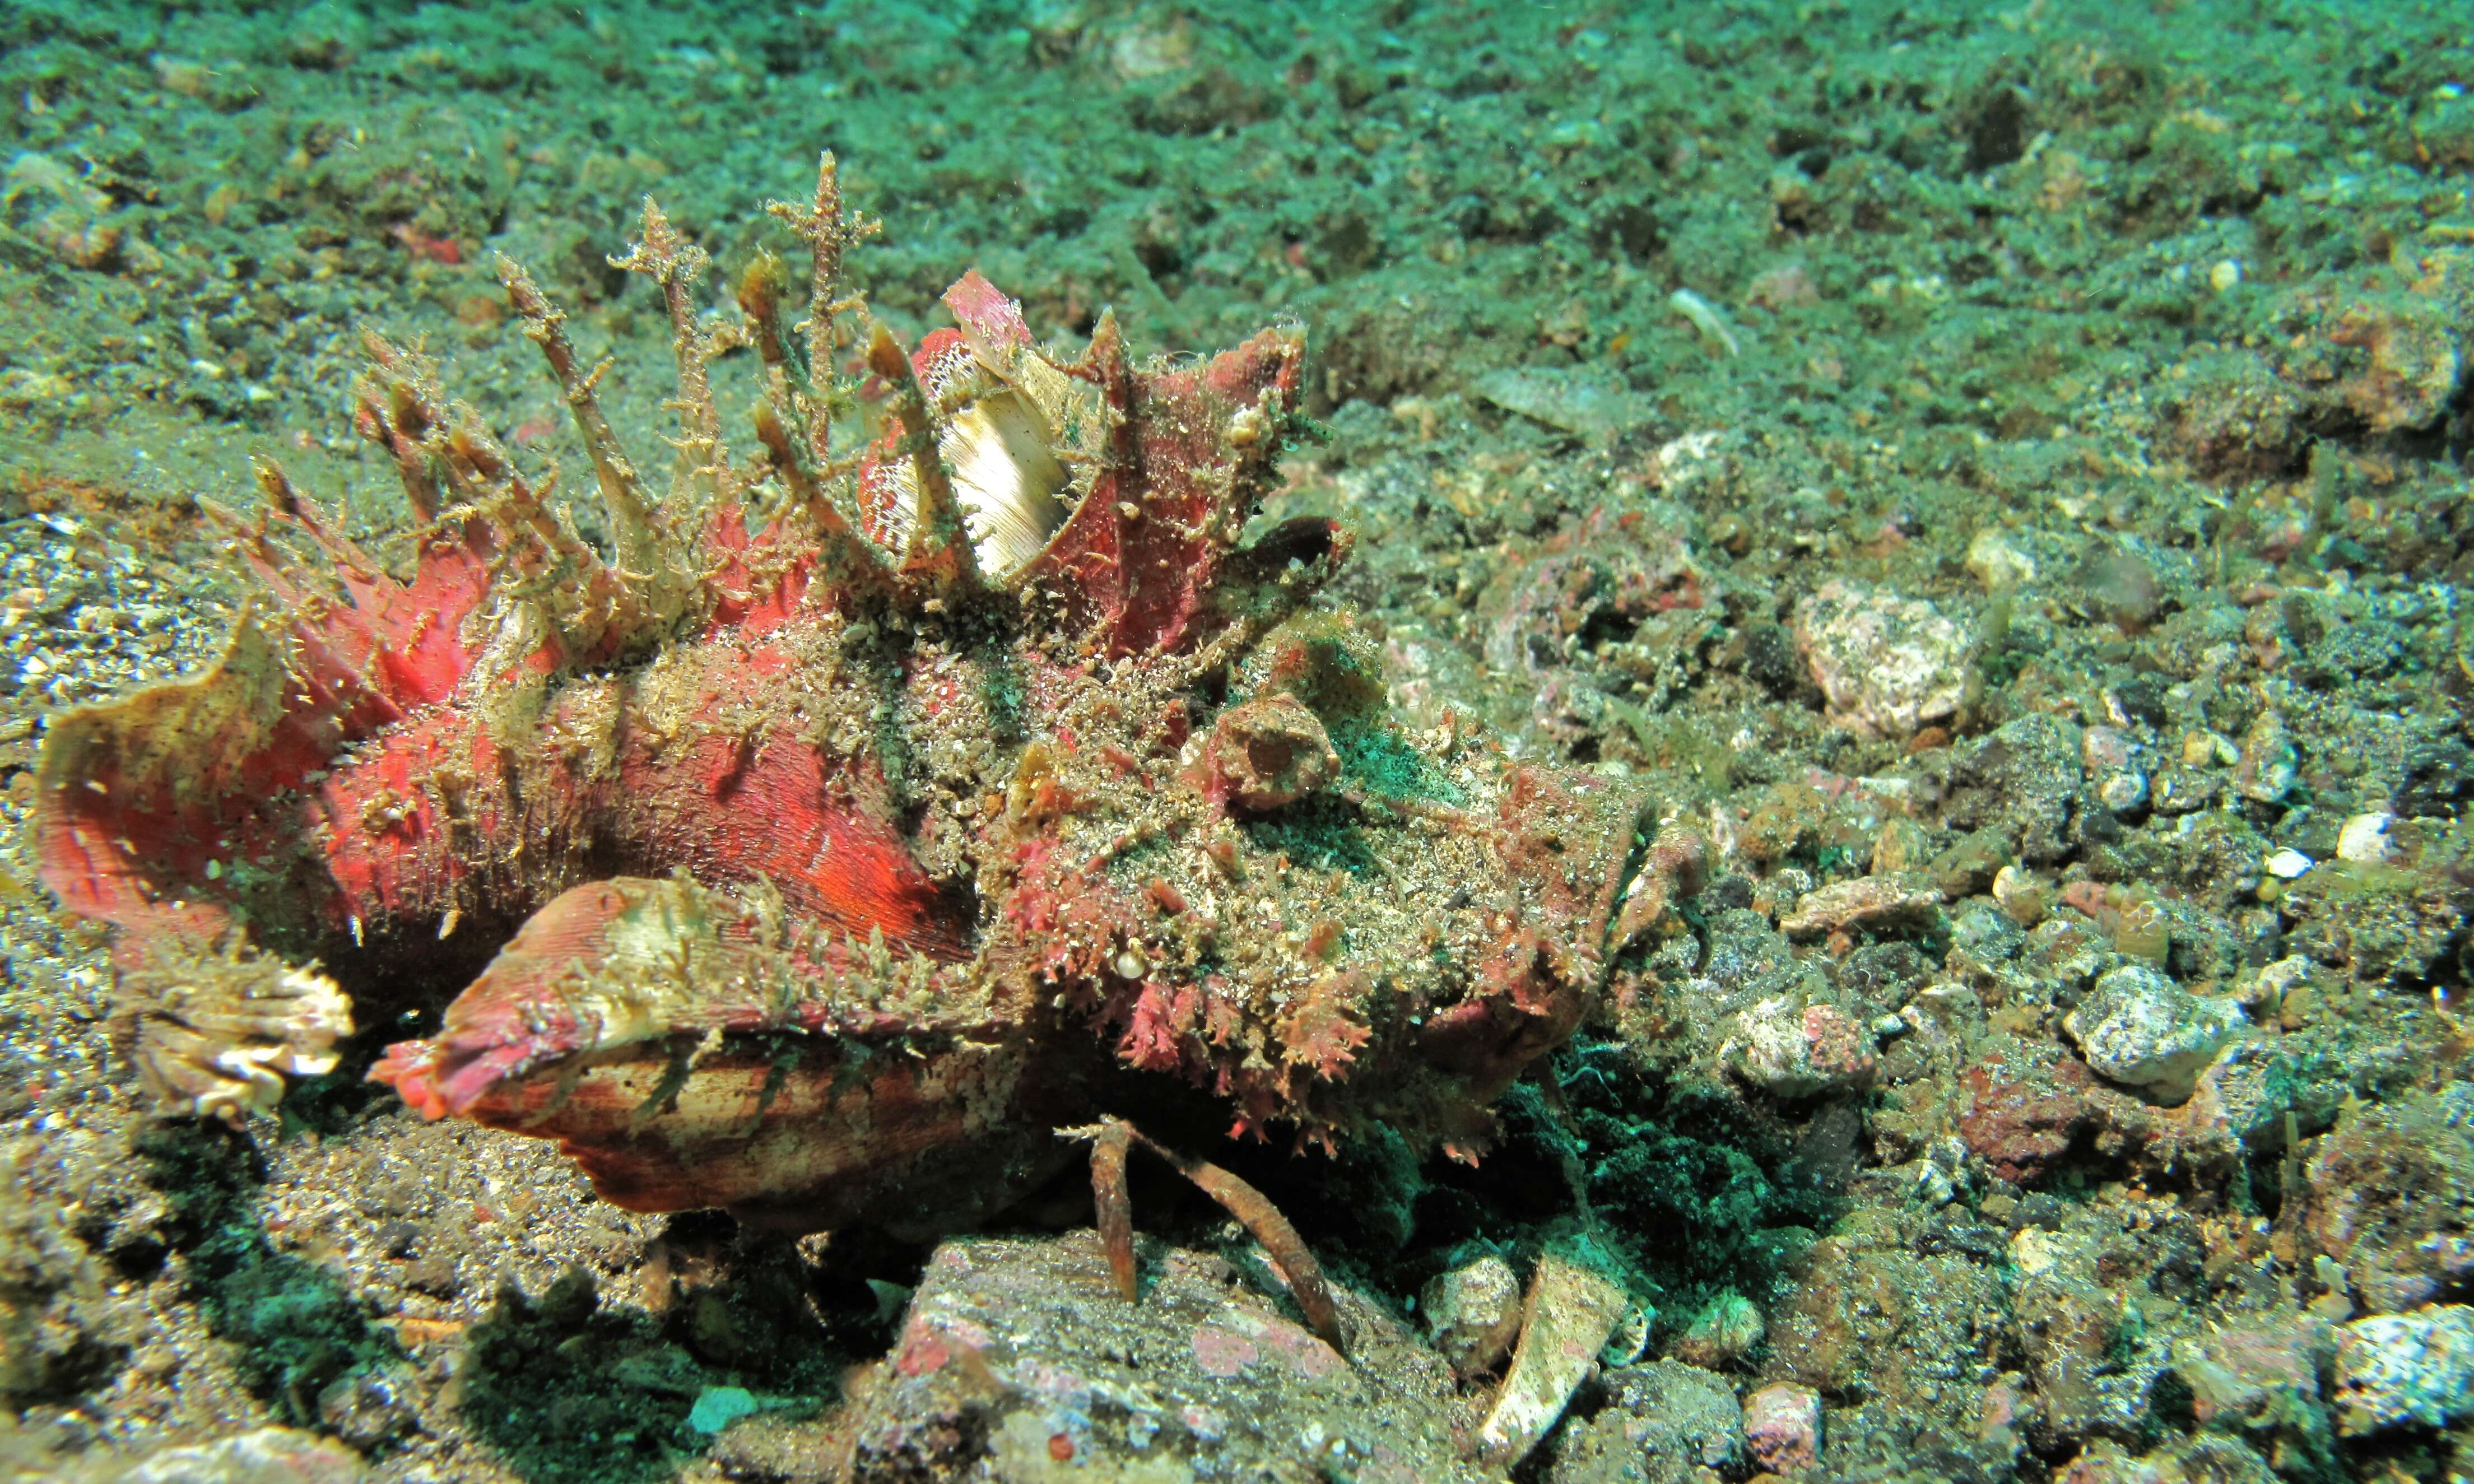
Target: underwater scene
1134	742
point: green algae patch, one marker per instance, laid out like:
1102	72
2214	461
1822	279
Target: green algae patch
567	1393
294	1327
1335	670
1673	1193
1379	760
1323	834
570	1390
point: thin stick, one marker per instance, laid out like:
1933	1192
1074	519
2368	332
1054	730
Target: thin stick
1114	1208
1111	1137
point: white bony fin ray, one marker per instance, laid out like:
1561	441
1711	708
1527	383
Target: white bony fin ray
1006	477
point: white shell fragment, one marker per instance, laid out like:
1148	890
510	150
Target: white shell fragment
999	441
2364	838
1571	1313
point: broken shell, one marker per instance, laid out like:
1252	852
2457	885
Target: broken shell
1571	1312
2139	1028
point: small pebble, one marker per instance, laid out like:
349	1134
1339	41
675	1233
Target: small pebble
1783	1427
1998	562
2393	1369
2364	838
2140	1029
717	1407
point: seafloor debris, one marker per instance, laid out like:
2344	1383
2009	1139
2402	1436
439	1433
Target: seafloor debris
1473	1314
1010	1362
864	813
1888	664
1571	1311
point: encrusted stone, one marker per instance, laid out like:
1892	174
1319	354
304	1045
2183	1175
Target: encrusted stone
1874	904
2396	1368
1783	1427
1799	1051
1887	664
2140	1029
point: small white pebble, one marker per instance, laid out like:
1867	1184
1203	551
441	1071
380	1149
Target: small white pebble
2288	864
2364	838
1998	562
2225	276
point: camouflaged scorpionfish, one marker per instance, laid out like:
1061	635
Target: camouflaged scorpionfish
854	821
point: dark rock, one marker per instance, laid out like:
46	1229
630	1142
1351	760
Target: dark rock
1017	1355
1883	973
1747	955
2020	781
1664	1422
2439	779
